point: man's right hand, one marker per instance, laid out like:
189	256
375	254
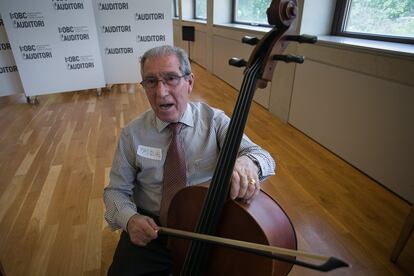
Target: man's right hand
142	229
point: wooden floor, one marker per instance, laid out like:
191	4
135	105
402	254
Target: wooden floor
54	163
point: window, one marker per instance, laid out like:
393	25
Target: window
200	9
387	20
251	12
175	8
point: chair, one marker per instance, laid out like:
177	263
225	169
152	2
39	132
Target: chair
405	233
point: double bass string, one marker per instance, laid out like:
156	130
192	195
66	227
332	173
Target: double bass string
197	249
217	194
232	142
232	145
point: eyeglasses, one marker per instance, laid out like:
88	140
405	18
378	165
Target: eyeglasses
170	80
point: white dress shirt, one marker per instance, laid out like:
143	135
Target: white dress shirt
136	176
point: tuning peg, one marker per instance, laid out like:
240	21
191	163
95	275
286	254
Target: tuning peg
302	38
238	62
251	40
289	58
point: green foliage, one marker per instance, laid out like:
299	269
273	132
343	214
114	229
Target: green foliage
252	11
201	9
391	8
382	17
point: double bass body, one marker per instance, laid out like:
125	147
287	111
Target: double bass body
263	222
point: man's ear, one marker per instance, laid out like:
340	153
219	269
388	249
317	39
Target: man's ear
190	80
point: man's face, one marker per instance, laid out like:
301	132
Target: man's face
168	102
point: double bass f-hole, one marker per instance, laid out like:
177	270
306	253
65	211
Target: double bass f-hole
205	214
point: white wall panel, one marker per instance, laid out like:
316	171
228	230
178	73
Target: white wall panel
198	48
366	120
224	49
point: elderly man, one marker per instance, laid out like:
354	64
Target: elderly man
134	195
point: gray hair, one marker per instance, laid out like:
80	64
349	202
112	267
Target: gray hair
167	50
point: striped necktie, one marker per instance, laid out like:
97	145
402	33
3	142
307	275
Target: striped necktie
175	177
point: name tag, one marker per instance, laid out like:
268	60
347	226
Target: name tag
149	152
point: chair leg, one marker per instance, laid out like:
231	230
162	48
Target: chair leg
404	236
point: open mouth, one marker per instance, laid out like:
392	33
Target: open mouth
165	106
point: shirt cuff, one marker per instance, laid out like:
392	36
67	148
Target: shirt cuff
124	216
257	163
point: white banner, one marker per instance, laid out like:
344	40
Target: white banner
9	76
126	30
55	44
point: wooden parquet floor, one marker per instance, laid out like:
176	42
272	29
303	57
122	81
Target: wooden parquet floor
55	159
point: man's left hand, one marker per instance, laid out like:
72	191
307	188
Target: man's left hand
245	181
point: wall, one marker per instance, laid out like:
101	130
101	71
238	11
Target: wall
357	105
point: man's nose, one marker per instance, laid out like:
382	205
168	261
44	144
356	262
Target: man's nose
161	88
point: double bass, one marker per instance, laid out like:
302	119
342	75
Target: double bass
246	234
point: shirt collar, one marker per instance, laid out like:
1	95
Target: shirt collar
186	119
